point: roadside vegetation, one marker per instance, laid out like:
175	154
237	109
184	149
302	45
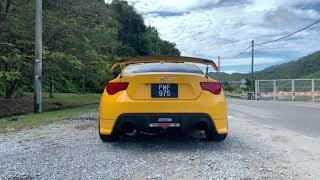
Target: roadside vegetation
30	121
81	39
24	104
17	114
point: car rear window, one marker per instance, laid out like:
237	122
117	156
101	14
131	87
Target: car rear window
163	67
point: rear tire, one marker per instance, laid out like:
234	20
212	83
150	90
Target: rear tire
108	138
213	136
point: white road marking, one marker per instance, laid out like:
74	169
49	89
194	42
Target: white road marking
230	117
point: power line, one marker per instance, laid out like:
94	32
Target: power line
279	39
272	41
238	55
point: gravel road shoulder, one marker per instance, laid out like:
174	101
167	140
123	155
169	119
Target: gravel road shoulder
73	151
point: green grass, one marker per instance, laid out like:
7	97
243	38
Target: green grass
24	104
65	100
36	120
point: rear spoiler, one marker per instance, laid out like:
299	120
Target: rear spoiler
171	59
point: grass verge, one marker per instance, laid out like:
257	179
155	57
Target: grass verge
24	104
30	121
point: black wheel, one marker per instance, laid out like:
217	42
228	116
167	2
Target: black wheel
213	136
108	138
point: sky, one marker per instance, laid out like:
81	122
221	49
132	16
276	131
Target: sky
211	28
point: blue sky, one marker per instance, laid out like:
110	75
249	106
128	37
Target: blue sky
211	28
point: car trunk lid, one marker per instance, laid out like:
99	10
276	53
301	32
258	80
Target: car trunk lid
140	85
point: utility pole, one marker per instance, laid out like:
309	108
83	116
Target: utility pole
38	59
219	70
252	64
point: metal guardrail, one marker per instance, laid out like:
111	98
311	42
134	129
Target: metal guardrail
288	89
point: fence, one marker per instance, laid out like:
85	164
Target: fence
288	89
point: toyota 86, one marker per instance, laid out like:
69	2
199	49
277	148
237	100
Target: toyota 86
157	94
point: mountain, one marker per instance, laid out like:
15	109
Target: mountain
305	67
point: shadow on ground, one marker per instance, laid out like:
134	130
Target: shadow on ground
171	143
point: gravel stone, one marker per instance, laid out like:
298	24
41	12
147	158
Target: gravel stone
74	151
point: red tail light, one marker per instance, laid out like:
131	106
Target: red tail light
114	87
213	87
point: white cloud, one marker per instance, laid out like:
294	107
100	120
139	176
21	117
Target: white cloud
149	6
247	61
233	71
211	28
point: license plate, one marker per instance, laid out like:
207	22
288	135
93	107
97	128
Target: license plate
164	90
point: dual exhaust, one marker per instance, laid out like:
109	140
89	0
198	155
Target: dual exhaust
129	129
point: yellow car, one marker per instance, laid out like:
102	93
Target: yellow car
157	94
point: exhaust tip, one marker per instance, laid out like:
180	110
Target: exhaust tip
201	126
128	129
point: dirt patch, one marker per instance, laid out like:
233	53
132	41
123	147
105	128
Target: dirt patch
85	126
19	105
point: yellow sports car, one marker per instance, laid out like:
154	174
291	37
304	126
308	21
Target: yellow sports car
157	94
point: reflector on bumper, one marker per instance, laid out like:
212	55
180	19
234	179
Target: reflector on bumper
164	125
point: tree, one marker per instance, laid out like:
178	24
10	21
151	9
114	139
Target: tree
81	40
15	62
227	87
59	67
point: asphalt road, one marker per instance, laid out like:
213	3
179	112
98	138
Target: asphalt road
302	117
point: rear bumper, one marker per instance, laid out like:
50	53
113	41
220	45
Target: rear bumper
112	108
141	122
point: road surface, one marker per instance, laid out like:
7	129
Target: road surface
267	140
302	117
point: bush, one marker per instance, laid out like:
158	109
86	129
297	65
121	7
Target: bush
2	88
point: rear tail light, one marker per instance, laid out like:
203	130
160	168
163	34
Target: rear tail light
114	87
213	87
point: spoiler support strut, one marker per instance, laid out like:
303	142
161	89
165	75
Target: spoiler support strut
207	69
